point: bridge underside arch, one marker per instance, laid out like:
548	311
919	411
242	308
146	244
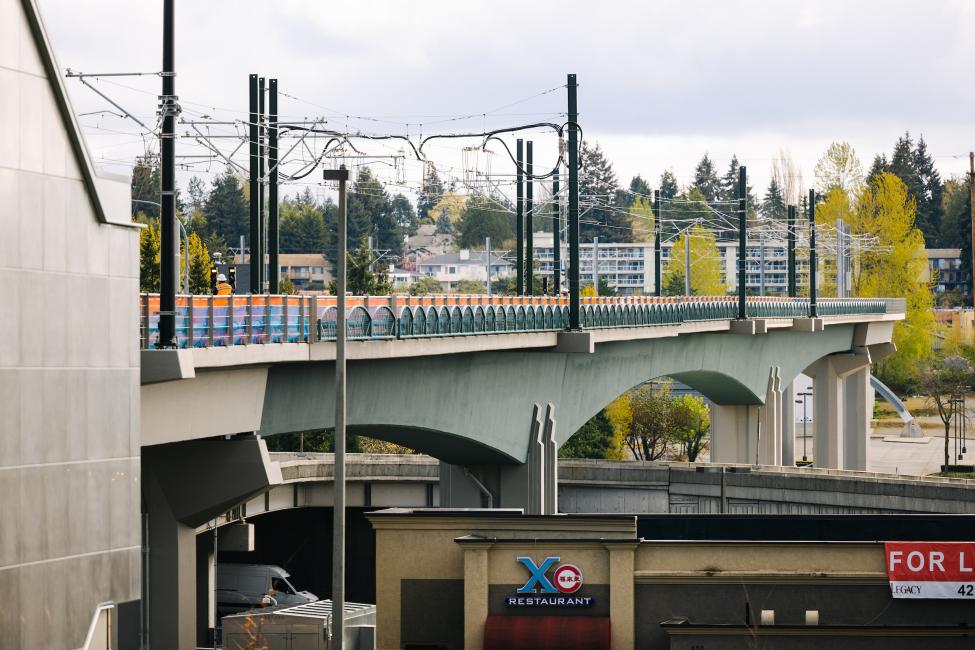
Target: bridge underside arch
485	399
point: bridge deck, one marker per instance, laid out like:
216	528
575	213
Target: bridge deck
226	321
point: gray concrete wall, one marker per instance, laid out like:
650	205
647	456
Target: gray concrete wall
633	487
636	488
69	378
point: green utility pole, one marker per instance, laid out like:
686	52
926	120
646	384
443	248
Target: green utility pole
274	268
791	249
255	190
574	301
262	176
520	218
556	236
812	253
169	253
742	242
657	289
529	222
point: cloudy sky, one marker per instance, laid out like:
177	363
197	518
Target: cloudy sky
660	82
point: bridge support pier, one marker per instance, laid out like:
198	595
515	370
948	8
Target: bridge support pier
841	390
858	398
185	485
743	433
531	486
789	425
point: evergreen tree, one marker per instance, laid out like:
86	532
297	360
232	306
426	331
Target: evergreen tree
594	439
706	179
484	217
197	192
444	225
930	211
729	189
227	213
598	189
879	166
638	188
301	227
668	185
773	207
146	184
370	213
405	215
430	194
360	279
729	182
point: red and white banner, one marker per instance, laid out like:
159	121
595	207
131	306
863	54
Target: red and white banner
931	569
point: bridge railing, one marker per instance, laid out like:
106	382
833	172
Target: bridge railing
216	321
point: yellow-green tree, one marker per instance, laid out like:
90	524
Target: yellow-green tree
705	265
641	218
892	265
199	258
149	248
895	268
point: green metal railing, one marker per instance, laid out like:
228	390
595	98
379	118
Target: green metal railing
215	321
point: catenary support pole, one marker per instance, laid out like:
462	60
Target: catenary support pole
840	260
487	263
595	265
338	516
790	236
529	221
573	116
520	217
255	192
274	267
761	263
971	209
687	262
812	253
556	237
742	242
262	183
657	288
169	253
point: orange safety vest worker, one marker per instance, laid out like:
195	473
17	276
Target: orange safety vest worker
223	287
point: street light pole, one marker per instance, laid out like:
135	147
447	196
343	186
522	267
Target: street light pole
805	419
338	519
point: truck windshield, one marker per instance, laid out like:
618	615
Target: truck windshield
282	586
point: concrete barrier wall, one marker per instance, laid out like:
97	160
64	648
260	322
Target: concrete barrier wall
632	487
636	488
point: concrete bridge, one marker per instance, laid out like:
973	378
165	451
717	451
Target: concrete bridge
468	397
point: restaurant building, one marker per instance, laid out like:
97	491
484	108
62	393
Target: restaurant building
499	579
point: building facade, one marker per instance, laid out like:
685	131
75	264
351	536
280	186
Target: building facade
451	268
946	272
70	531
501	580
629	267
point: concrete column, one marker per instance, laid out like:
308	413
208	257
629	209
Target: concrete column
476	595
789	425
172	572
858	409
828	420
730	428
621	595
771	420
185	485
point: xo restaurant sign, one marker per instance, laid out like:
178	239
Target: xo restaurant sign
540	590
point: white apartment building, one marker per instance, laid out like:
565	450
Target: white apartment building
451	268
629	267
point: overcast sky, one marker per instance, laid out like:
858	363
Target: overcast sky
660	82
